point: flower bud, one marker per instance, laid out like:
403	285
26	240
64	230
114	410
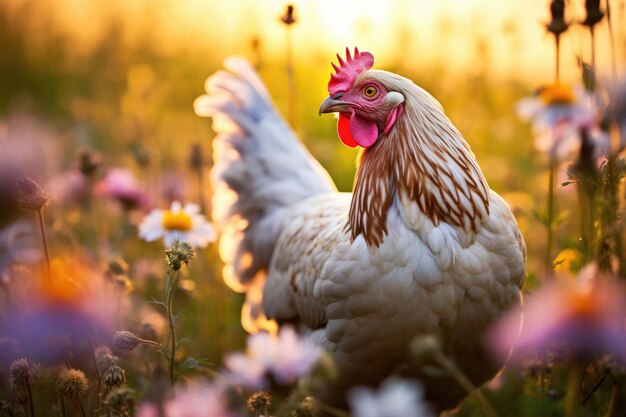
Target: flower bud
33	198
180	253
125	341
113	377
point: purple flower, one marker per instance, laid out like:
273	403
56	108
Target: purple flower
586	316
201	401
284	357
121	185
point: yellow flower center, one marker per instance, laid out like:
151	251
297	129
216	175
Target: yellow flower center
176	220
557	94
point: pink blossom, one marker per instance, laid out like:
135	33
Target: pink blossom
587	316
201	401
285	357
121	185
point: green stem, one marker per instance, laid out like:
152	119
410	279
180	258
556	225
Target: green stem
572	398
550	218
45	242
465	383
170	317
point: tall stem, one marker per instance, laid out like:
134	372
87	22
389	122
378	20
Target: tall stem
557	68
611	39
170	317
31	405
95	366
291	80
550	218
572	398
42	228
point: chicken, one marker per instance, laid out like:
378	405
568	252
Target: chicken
422	245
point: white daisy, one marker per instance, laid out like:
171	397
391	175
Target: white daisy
559	113
184	223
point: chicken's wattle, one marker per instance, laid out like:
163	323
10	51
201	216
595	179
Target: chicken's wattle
354	130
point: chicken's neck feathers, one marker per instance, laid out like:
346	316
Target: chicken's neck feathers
425	165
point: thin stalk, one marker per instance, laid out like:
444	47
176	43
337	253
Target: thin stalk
612	399
45	242
79	405
170	318
595	388
63	409
557	68
465	383
151	343
611	39
95	366
550	218
31	405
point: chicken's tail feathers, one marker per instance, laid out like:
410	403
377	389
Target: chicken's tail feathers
260	169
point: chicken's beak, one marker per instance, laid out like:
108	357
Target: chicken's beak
332	105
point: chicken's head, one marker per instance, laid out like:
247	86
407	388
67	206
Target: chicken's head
367	109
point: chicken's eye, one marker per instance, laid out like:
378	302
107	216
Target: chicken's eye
370	91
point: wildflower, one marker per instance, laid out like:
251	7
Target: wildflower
33	198
285	357
200	401
183	223
259	403
559	113
71	187
105	358
19	373
180	253
72	383
120	185
122	400
394	398
17	246
125	341
113	377
583	318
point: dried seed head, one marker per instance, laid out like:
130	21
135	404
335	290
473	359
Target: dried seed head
121	399
594	14
72	383
33	198
19	373
288	18
113	377
105	358
125	341
558	24
180	253
259	403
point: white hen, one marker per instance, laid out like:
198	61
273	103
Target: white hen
422	246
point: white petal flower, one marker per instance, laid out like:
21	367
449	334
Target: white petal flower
184	223
394	398
286	357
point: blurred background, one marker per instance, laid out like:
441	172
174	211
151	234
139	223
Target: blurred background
118	79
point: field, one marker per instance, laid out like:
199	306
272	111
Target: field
97	130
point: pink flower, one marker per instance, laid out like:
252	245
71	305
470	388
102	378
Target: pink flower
285	358
201	401
120	184
586	316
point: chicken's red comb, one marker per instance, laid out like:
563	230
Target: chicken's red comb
348	70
